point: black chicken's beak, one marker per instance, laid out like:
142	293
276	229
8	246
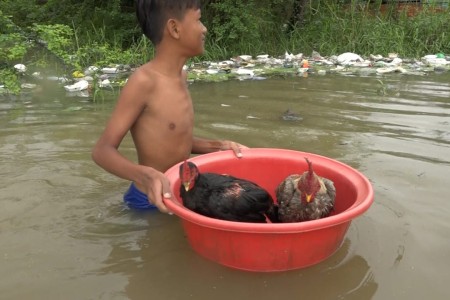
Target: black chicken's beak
308	198
186	186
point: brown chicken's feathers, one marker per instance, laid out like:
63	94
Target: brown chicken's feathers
304	197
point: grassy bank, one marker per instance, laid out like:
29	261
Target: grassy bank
327	28
366	30
330	28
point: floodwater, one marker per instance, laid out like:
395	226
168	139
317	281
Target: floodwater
65	233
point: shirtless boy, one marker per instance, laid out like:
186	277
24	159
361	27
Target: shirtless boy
156	107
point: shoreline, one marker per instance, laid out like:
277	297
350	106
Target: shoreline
244	67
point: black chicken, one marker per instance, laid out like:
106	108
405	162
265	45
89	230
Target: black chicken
225	197
305	197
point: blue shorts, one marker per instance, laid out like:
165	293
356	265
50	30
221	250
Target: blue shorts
134	198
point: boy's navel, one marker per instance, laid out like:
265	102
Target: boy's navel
172	126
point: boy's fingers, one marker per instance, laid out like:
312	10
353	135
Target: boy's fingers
157	198
166	188
166	193
160	205
237	149
167	196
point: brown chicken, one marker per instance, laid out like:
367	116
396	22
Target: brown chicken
305	197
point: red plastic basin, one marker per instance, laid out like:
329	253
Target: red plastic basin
272	247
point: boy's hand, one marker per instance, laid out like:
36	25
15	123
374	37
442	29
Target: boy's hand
236	147
158	187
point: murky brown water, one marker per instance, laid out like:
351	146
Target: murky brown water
66	235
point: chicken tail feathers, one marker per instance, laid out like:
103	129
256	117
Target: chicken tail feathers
272	215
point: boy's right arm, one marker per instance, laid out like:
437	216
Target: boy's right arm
105	152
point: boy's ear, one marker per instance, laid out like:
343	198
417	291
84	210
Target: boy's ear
172	26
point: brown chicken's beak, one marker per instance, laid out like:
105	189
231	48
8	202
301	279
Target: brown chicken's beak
186	186
308	198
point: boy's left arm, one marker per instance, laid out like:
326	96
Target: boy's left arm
202	146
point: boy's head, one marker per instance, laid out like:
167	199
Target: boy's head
153	15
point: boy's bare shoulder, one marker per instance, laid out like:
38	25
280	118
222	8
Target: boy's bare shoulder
142	76
139	85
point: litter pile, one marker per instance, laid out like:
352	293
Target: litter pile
246	67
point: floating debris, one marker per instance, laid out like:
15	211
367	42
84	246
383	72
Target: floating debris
60	79
28	85
21	68
439	69
289	56
347	64
79	86
91	70
229	126
245	67
391	70
212	71
89	78
77	74
376	57
37	75
110	70
262	58
290	115
80	94
105	83
349	58
243	71
304	67
435	60
73	108
245	57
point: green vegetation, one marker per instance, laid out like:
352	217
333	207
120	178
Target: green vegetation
363	29
92	32
13	47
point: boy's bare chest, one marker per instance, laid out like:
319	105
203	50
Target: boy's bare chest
172	106
177	94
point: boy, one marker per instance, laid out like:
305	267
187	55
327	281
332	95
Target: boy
156	107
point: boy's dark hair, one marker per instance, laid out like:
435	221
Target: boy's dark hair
152	15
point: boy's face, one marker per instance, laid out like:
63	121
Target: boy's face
193	32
